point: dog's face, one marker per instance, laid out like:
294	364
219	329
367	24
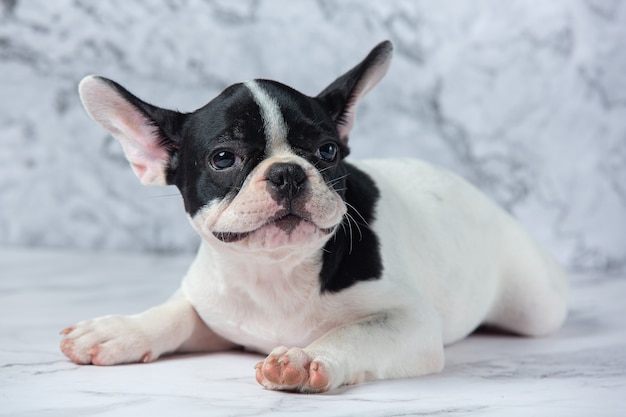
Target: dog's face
259	167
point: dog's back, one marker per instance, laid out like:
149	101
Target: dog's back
463	252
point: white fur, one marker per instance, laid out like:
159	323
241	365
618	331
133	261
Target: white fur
274	124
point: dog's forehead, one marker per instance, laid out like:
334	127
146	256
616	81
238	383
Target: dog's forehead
303	116
228	114
274	124
268	112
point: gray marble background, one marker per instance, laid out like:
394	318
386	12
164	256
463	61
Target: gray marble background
527	99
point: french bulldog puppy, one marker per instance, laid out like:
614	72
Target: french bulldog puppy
339	271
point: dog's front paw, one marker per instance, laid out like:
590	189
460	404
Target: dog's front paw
107	340
293	370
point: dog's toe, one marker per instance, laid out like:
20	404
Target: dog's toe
66	331
280	370
292	370
318	376
78	356
106	341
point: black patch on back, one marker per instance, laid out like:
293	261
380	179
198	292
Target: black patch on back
349	259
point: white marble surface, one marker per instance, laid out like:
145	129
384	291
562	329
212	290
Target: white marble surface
525	98
578	372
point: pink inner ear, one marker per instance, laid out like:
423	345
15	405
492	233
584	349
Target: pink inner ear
130	126
140	170
369	81
344	128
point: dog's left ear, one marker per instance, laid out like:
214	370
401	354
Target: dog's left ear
341	96
149	135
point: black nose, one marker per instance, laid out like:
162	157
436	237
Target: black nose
286	181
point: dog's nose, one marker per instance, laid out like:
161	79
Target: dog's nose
286	180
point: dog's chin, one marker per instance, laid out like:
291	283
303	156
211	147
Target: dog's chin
286	231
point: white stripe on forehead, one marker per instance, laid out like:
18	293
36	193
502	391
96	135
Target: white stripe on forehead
273	122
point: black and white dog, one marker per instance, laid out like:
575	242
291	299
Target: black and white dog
340	271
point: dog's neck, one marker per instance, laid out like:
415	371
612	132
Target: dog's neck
262	268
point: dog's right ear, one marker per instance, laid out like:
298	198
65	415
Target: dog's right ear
342	96
149	135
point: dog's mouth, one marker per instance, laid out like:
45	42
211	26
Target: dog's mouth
286	222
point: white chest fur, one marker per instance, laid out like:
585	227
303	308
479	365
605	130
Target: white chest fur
260	305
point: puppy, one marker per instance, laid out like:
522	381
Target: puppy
341	272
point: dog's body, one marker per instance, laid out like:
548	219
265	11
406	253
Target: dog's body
356	271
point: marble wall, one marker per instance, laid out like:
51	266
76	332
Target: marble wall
525	98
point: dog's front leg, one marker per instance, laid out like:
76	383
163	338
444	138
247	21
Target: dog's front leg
173	326
392	344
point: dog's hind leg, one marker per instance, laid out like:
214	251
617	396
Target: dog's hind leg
173	326
532	300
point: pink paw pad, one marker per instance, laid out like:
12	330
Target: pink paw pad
292	370
318	377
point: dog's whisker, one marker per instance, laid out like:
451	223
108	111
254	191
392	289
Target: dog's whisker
323	169
163	196
364	223
336	180
356	224
350	234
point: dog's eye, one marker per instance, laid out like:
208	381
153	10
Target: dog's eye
327	152
223	160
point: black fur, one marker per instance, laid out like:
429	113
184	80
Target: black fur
353	254
308	120
232	122
285	181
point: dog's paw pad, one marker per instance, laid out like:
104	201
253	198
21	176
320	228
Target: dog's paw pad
280	371
292	370
318	377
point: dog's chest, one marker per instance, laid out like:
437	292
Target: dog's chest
263	313
264	326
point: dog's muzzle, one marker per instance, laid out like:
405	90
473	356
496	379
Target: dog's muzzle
287	184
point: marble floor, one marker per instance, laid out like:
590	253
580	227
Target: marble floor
578	372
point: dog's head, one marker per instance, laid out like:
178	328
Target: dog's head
259	167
